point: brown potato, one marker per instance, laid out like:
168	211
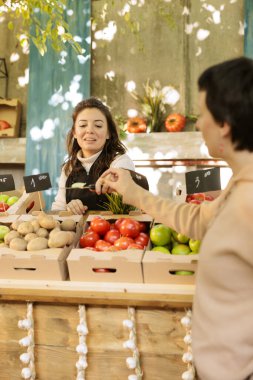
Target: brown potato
58	240
52	232
37	244
18	244
47	222
25	228
35	225
15	224
30	236
71	237
41	215
11	235
68	225
42	232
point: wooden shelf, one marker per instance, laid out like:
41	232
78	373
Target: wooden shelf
117	294
146	149
163	149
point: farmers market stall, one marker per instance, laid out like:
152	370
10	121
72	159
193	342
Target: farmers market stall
95	330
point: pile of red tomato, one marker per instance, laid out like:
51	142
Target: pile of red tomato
124	233
198	198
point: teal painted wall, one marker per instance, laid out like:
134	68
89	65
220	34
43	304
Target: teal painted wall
248	18
57	82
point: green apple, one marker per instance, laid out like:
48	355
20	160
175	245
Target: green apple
194	245
181	249
161	249
184	272
173	241
180	238
3	231
4	198
160	234
12	200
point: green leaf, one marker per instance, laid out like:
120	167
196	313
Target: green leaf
10	25
44	31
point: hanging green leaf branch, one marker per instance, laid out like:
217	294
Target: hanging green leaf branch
53	29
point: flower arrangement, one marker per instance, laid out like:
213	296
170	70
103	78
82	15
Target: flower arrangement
156	103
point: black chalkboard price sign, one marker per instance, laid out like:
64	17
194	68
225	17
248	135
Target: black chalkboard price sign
201	181
38	182
6	183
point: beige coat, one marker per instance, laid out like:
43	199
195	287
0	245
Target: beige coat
223	303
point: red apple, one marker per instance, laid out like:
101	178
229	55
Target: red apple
3	207
209	197
195	201
101	270
199	196
188	198
4	125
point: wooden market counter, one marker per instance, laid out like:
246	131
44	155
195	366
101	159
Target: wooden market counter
158	310
120	294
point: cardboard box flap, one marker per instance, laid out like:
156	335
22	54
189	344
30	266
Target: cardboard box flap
105	266
7	219
33	216
26	203
156	256
9	102
44	254
131	213
110	216
134	255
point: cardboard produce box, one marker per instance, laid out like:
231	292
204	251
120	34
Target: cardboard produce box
45	264
10	112
162	268
26	204
119	266
107	266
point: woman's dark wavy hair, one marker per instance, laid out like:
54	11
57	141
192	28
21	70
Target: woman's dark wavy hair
111	149
229	98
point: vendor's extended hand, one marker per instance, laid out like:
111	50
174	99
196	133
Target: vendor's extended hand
112	180
76	207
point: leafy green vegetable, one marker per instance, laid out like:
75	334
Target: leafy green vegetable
116	205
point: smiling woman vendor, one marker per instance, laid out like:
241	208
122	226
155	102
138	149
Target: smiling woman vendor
93	146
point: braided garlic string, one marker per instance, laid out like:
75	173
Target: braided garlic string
186	321
132	362
82	348
28	372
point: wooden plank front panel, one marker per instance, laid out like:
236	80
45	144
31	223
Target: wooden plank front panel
159	334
